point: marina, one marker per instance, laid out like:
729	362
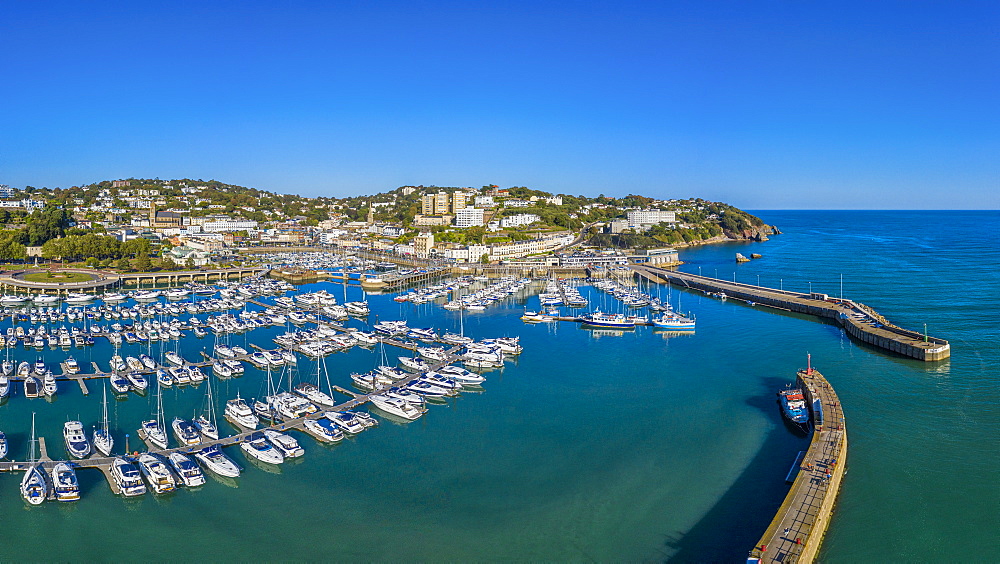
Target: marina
603	347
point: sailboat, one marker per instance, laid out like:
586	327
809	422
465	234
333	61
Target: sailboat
103	441
312	392
34	487
206	421
154	430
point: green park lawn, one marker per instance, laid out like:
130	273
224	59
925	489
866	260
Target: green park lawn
57	276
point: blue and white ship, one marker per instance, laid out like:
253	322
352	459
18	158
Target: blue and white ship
614	320
793	406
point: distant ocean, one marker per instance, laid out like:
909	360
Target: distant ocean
596	445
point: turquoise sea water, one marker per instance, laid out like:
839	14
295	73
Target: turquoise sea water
598	446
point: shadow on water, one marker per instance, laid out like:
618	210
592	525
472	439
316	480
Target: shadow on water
730	529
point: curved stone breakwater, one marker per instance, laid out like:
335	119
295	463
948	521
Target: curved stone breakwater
797	530
859	322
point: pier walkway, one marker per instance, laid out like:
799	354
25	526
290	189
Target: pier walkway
797	530
858	321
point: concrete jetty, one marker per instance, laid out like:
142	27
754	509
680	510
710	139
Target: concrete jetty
796	532
858	321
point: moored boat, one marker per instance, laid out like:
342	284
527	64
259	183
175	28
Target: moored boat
188	472
793	406
76	440
128	478
64	483
215	460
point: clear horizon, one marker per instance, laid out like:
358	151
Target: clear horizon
887	106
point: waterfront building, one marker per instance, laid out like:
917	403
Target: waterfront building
519	220
469	217
579	260
459	201
640	218
229	225
422	244
421	220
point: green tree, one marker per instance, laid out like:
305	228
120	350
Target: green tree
136	247
167	263
142	263
485	259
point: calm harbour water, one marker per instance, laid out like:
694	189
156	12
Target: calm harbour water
603	446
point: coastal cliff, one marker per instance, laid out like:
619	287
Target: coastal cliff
752	233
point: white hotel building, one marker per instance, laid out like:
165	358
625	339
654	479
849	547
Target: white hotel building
638	218
229	225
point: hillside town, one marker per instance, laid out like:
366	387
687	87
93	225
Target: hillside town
193	223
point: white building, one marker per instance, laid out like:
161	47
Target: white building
484	202
516	203
469	217
650	217
519	219
229	225
7	191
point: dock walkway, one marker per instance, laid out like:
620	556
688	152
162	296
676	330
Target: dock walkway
858	321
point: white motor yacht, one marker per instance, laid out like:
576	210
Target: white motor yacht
323	429
286	444
414	364
4	386
174	358
13	301
460	375
215	460
137	381
64	482
119	383
157	473
397	407
240	414
46	301
189	473
76	440
186	431
49	387
114	297
346	420
3	445
77	298
257	446
128	478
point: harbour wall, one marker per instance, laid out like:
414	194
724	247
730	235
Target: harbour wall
797	530
858	321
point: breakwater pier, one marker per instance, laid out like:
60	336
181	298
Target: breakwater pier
858	321
796	532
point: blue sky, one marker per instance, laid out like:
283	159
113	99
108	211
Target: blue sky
765	105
